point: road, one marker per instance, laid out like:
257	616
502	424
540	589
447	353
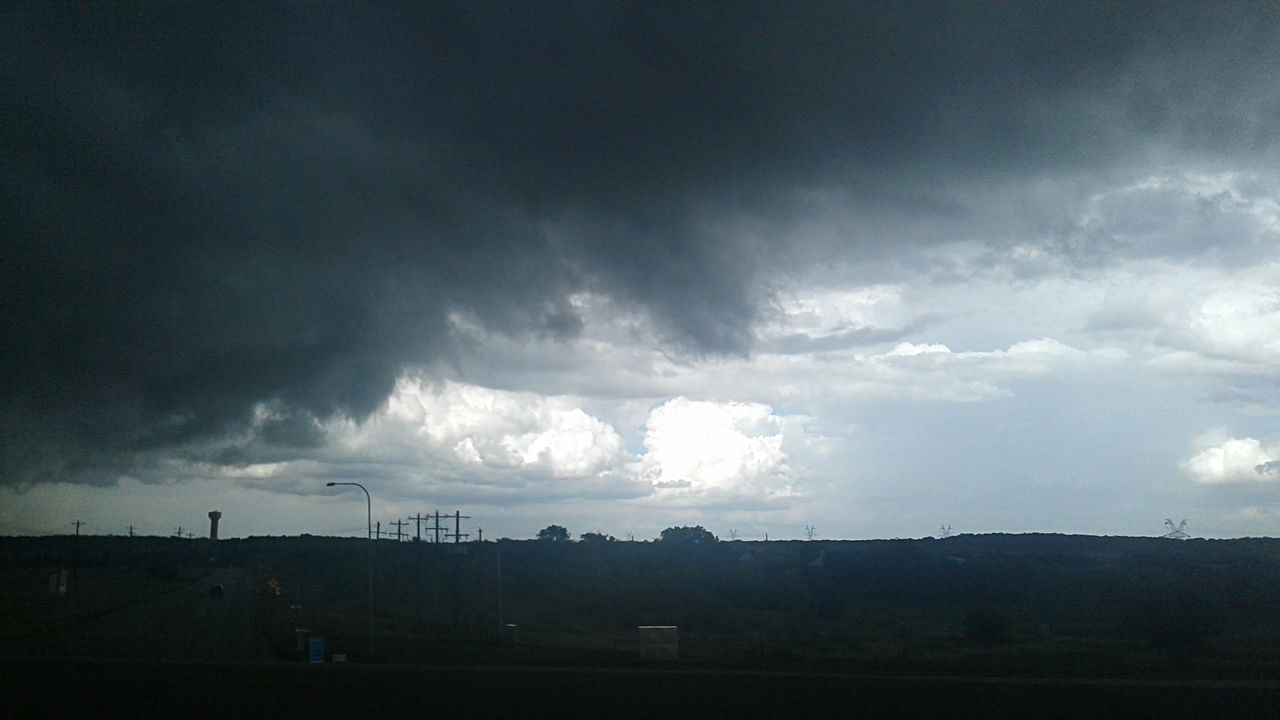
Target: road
187	624
118	688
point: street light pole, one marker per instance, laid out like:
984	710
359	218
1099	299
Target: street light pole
369	519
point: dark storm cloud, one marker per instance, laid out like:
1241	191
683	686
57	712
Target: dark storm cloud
206	207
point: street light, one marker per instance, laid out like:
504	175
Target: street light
368	503
369	516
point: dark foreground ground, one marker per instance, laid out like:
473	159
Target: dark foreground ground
991	626
117	689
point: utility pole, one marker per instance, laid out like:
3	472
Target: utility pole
479	534
437	526
457	526
377	531
418	519
399	524
178	534
75	557
130	531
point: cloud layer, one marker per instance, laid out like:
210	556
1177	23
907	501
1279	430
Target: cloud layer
534	252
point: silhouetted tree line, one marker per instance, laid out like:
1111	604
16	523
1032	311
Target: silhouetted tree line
684	535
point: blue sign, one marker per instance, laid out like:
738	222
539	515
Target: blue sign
317	649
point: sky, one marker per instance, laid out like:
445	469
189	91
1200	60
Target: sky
867	269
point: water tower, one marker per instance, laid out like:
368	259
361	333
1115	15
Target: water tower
214	516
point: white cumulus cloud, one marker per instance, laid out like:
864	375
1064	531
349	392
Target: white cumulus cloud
1241	323
1233	461
721	448
502	429
907	349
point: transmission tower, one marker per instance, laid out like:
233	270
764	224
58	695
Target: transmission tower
1178	532
945	530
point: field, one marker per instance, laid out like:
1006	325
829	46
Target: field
32	605
1028	605
987	626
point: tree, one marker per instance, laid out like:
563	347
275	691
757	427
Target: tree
595	537
553	533
696	535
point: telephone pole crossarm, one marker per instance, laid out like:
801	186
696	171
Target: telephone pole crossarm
457	534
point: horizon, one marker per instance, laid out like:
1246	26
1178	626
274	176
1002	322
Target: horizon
577	537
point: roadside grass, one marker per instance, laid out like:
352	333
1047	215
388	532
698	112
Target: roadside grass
892	641
30	605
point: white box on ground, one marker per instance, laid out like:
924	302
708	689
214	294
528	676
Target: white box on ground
659	642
